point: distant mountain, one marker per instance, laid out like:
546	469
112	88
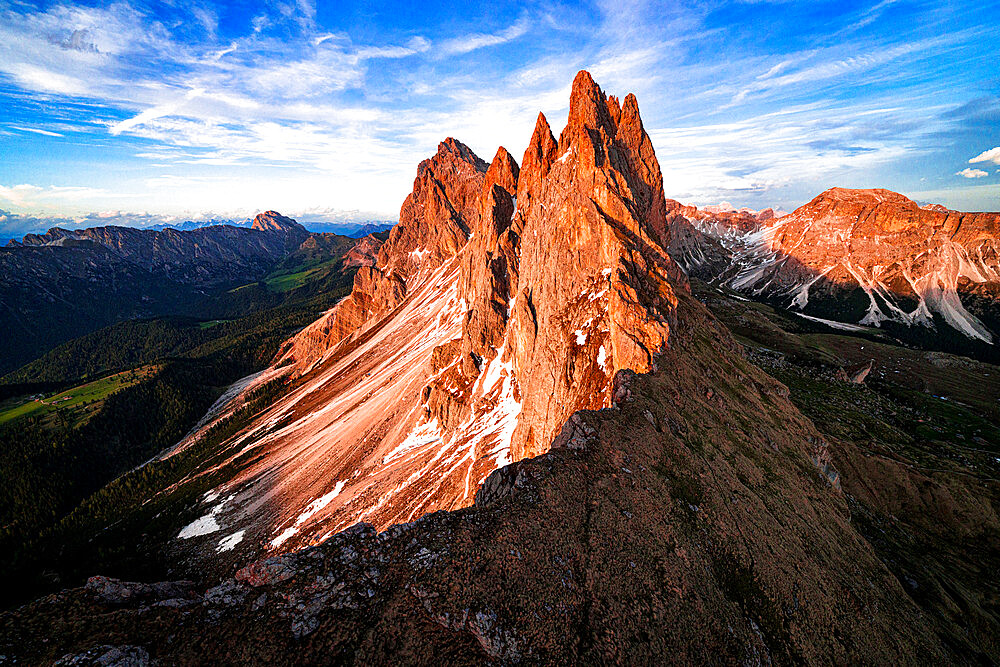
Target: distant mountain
351	229
354	230
863	257
203	256
188	225
64	283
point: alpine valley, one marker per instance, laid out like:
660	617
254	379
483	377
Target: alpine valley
551	417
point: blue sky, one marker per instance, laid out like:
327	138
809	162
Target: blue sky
132	111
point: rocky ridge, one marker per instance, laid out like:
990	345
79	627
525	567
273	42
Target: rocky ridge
66	283
506	299
203	256
867	257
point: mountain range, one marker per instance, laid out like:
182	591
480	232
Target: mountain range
863	258
354	230
548	424
65	283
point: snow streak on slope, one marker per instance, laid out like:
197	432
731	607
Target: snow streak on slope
352	441
799	253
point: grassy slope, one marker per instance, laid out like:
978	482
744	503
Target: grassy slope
76	404
286	279
918	445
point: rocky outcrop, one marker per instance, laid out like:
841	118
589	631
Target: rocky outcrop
506	298
556	279
364	252
272	221
591	217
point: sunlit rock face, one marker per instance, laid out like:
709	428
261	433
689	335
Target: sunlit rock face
865	257
506	299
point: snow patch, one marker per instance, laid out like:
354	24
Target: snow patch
425	434
501	420
495	369
602	358
206	524
843	326
581	337
311	509
203	526
229	543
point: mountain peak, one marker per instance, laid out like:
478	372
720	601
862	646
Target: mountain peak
587	102
868	196
541	151
272	221
503	171
589	110
454	147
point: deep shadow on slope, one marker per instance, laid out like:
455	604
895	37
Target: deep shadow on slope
700	520
73	498
918	446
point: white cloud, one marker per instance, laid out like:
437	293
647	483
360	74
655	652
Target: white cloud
153	113
776	70
35	130
992	155
26	196
46	80
19	195
469	43
971	173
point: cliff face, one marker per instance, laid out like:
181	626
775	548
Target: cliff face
506	299
570	281
868	257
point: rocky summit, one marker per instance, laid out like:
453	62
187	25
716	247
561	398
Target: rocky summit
504	301
527	437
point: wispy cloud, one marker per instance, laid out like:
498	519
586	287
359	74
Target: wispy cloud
35	130
972	173
471	42
300	111
151	114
